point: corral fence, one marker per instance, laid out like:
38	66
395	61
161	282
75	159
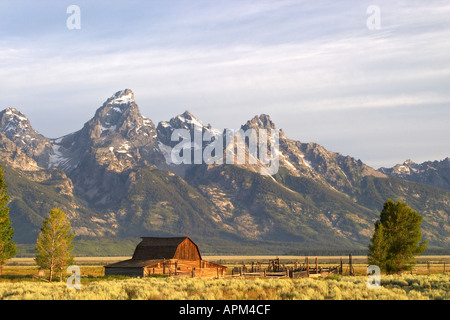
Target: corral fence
429	267
304	269
310	268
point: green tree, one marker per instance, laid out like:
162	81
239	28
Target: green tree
54	243
395	242
7	245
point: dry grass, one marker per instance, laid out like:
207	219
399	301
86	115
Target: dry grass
398	287
20	282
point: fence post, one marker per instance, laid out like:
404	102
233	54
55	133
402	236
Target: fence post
307	267
350	261
340	270
428	266
317	266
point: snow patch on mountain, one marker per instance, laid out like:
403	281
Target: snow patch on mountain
306	162
57	159
146	121
122	97
110	128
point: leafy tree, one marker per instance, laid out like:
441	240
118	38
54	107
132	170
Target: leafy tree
7	245
54	243
395	242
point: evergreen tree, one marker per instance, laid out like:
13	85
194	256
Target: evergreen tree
54	243
395	242
7	245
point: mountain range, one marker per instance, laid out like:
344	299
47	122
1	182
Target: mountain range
114	180
434	173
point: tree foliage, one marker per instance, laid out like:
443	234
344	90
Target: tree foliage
7	245
395	242
54	243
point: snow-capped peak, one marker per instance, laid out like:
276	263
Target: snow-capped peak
122	97
14	113
13	121
188	118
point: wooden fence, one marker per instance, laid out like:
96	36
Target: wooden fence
276	269
429	267
310	268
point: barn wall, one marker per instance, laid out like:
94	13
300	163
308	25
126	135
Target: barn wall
187	250
208	272
200	268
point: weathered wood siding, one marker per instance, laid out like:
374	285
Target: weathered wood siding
187	250
192	268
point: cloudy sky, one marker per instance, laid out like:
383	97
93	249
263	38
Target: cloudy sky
315	67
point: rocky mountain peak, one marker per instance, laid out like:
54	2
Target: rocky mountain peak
17	128
118	137
262	121
185	120
121	97
120	114
188	115
120	103
13	122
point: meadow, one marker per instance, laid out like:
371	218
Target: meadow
20	281
393	287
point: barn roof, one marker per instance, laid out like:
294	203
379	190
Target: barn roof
151	248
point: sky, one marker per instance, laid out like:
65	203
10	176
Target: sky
370	84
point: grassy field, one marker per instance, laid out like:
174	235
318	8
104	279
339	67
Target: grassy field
19	281
398	287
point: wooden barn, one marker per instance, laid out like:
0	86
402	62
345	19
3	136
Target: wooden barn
172	256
